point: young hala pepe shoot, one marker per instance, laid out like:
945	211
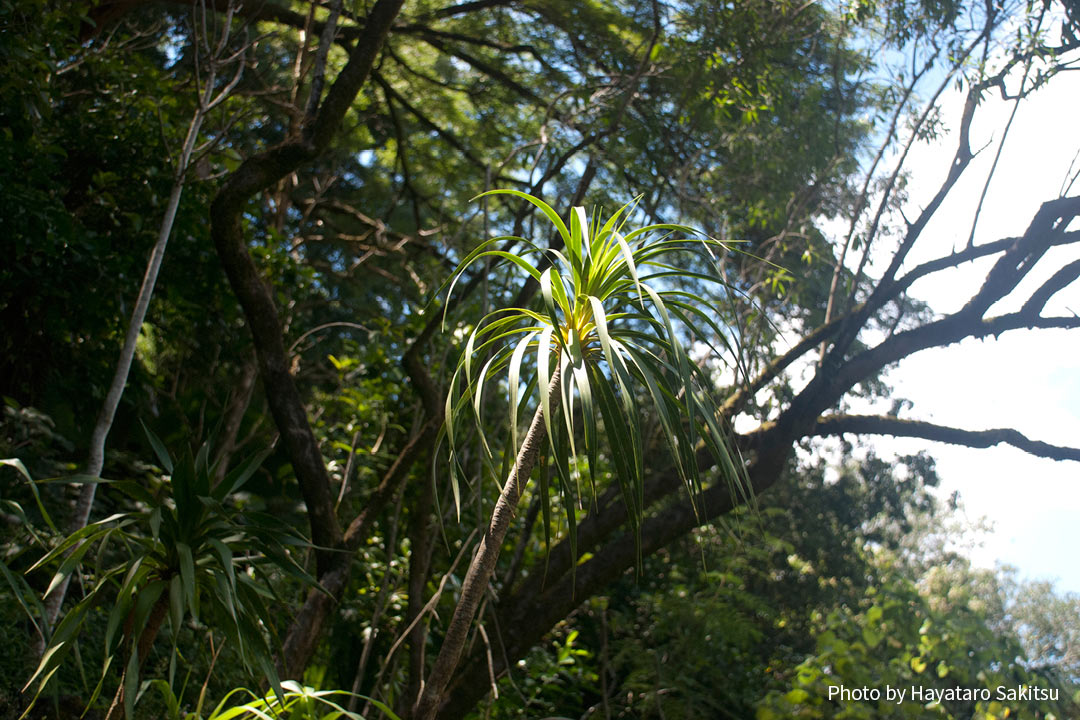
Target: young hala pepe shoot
608	327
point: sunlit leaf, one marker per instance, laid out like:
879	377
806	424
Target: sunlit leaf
608	324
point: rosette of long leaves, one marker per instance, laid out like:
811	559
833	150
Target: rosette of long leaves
608	339
613	326
187	552
293	702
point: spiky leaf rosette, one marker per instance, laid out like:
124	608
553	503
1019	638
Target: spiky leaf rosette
614	317
190	550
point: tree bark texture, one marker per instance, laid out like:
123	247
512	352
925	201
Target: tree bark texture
483	563
96	459
255	175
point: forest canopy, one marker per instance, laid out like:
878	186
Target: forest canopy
429	360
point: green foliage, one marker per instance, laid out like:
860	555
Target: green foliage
184	551
747	119
20	589
613	308
292	702
560	675
1048	624
928	648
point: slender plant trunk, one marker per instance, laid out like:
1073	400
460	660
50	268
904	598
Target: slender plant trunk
420	543
96	459
482	566
389	582
146	641
234	416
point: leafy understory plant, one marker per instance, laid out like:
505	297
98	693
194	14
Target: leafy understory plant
293	702
20	589
608	336
188	552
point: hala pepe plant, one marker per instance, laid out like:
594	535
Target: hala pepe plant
293	702
609	336
189	552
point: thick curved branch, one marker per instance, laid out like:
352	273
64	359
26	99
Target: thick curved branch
256	174
837	376
1057	282
827	388
468	7
958	258
1038	299
1048	224
887	425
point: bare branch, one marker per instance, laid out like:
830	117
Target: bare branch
965	255
469	7
863	197
897	427
318	76
1058	281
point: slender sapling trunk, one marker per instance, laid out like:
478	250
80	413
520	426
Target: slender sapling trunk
482	566
96	459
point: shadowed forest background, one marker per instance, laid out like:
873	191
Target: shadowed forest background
296	422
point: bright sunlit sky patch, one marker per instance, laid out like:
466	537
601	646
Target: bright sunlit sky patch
1028	380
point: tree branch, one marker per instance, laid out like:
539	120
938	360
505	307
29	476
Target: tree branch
887	425
836	377
958	258
256	174
1057	282
453	141
467	7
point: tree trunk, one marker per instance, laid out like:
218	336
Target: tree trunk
420	541
483	563
234	416
96	460
146	641
306	628
256	174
